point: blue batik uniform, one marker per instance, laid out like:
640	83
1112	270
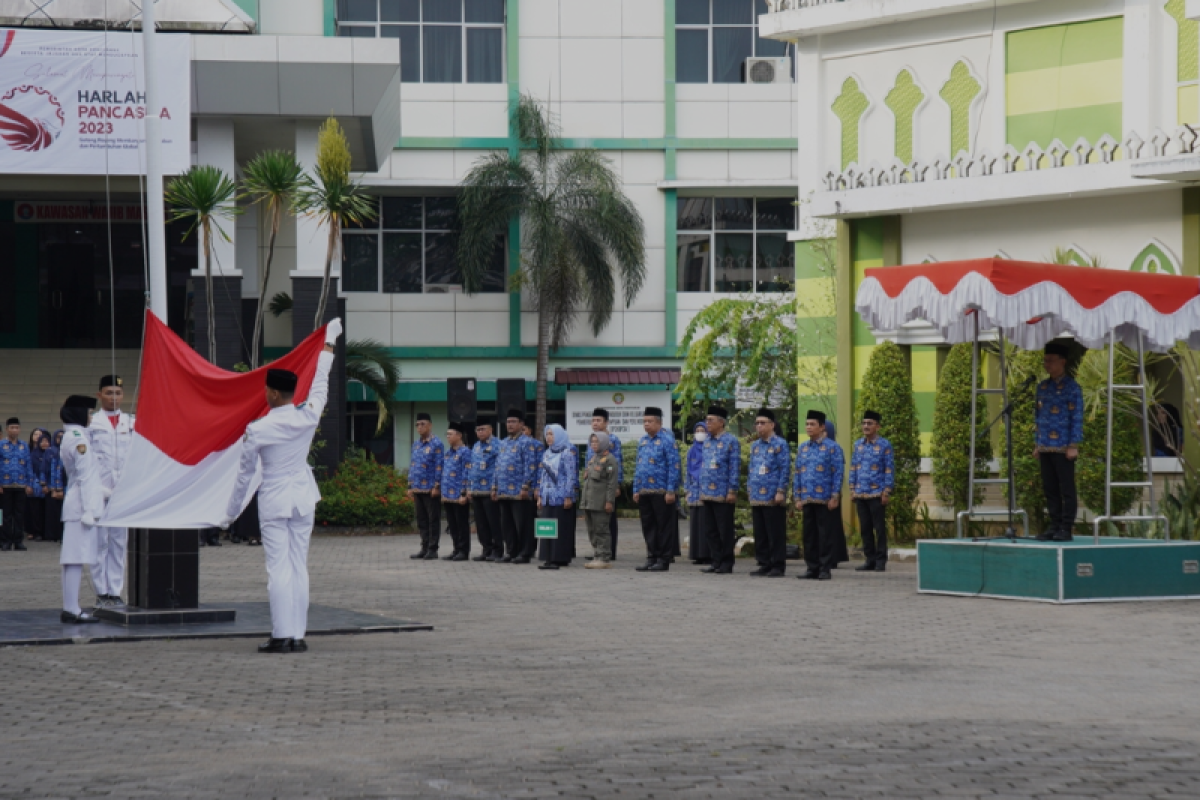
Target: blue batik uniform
535	450
483	466
425	472
769	465
456	468
657	470
514	470
722	462
15	467
554	489
54	471
819	469
1059	415
872	468
616	454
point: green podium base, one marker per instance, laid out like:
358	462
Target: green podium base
1081	571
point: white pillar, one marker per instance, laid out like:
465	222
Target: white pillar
214	143
291	17
1141	63
811	123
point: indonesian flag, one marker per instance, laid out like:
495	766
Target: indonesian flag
191	418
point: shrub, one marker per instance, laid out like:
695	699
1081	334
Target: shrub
365	493
952	431
887	388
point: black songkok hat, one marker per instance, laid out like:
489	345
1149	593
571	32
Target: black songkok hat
653	411
600	412
423	417
766	413
1053	349
110	380
485	422
281	380
74	410
457	426
514	413
718	411
819	416
15	421
872	415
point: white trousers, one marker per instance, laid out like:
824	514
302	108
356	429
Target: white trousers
108	570
285	544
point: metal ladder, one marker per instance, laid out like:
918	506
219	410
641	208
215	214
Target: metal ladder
1011	511
1148	484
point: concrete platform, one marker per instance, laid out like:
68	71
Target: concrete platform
1082	571
42	626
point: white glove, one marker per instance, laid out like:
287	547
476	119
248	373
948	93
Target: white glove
333	330
88	520
225	523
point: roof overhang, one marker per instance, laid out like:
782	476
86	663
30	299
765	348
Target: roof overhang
616	376
192	16
814	17
267	84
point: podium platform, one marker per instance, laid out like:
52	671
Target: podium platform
1082	571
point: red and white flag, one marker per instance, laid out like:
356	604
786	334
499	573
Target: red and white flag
187	439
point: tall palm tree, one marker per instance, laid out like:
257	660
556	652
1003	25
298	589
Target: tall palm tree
332	197
370	363
579	232
204	196
272	179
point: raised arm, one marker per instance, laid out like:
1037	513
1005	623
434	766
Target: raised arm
246	467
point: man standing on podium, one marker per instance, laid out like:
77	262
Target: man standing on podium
288	495
111	433
1059	419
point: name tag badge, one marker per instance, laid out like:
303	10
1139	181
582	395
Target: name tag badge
762	470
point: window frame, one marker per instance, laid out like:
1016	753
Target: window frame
712	231
710	65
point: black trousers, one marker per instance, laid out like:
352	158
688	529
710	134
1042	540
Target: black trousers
512	523
819	551
658	526
458	518
429	520
528	537
872	524
12	503
1058	484
53	526
35	516
612	530
770	536
718	523
487	524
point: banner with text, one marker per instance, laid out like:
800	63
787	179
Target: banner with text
74	103
626	411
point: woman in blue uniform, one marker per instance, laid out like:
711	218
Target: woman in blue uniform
35	504
556	497
697	533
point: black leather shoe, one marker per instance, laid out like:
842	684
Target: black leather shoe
548	565
701	561
459	557
504	560
19	546
420	555
299	646
660	566
431	555
775	573
645	567
708	570
1047	535
82	618
5	546
449	557
760	572
867	567
824	576
274	645
810	575
724	570
484	557
1059	536
522	560
881	566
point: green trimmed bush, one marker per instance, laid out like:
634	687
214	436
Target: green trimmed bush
887	388
365	493
952	431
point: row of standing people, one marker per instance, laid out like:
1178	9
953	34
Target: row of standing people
31	476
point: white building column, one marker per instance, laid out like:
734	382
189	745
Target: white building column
1140	107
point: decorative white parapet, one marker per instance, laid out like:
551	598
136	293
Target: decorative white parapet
796	19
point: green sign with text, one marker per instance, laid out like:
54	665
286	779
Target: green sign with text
546	529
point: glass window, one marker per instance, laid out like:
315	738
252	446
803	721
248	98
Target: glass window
733	12
441	213
735	244
402	213
402	268
441	41
713	39
691	56
360	262
691	12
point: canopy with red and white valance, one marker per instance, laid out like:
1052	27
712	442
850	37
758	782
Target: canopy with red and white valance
1032	303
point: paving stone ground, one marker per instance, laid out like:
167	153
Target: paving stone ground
610	684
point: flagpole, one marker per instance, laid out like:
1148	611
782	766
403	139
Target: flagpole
155	214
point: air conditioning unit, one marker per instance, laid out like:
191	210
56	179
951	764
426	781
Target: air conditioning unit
443	288
769	70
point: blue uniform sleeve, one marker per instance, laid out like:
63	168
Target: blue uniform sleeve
734	465
1075	435
796	472
54	478
674	476
572	473
782	460
439	463
889	468
839	468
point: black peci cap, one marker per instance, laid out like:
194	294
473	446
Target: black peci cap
600	412
111	380
718	411
653	411
423	417
15	421
281	380
514	413
874	416
766	413
818	416
1054	349
457	427
485	422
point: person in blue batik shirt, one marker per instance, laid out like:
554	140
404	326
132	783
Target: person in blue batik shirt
767	485
600	425
456	492
483	474
513	486
534	450
872	478
57	485
656	484
16	478
719	477
559	480
35	504
817	486
697	532
1059	421
424	486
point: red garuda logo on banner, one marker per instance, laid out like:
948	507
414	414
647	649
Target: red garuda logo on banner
31	118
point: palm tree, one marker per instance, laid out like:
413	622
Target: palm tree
370	363
579	232
203	196
332	197
272	179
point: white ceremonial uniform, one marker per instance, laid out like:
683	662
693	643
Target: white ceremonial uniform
84	497
287	499
111	446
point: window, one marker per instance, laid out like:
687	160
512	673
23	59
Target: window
441	41
735	244
411	249
713	39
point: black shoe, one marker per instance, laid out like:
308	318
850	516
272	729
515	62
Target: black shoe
215	542
449	557
82	618
484	557
775	573
650	562
235	540
548	565
1047	535
431	555
660	566
504	560
701	561
867	567
255	542
708	570
1059	536
881	566
5	546
299	646
419	555
116	600
824	576
19	546
522	560
810	575
459	557
760	572
724	570
274	645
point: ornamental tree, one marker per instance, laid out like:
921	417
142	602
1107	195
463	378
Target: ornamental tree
887	388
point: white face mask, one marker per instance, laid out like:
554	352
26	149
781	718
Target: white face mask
701	436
